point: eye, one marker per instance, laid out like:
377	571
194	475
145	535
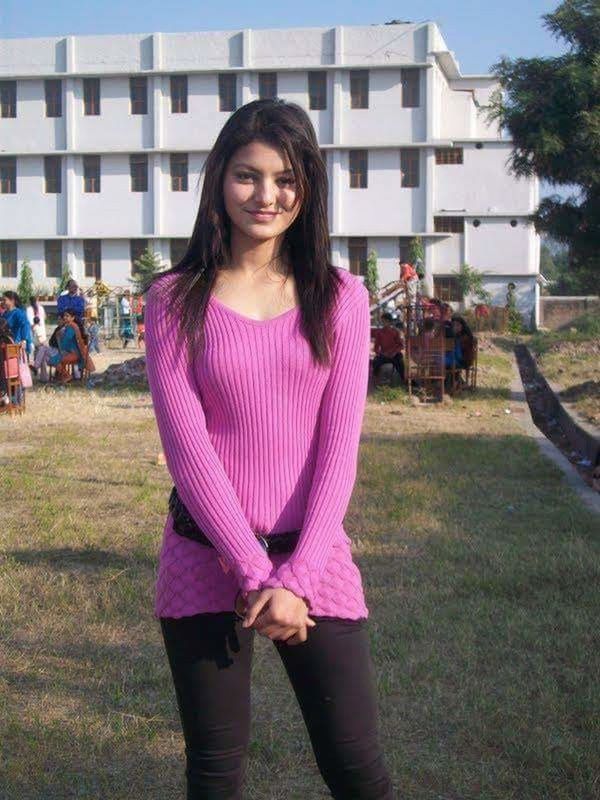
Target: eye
288	181
243	175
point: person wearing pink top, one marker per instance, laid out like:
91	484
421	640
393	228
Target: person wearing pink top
257	355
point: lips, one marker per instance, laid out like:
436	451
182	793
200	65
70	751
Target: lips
263	215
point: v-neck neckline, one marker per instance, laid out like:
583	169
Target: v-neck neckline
215	300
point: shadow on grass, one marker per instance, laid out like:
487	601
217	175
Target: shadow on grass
587	389
481	570
62	558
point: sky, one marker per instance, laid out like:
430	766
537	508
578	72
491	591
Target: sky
478	32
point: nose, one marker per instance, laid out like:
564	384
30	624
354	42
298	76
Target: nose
264	193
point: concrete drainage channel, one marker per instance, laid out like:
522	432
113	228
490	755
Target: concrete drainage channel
570	442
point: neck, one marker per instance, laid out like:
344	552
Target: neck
250	257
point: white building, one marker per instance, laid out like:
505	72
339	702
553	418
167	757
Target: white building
102	141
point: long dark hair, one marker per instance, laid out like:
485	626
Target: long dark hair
466	331
5	331
13	296
79	323
34	304
287	127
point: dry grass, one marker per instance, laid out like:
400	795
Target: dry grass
481	572
571	358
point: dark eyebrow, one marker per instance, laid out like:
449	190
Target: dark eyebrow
252	169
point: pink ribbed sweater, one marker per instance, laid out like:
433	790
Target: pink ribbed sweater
259	438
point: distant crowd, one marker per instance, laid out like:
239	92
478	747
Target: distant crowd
69	347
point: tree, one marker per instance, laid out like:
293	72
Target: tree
64	279
416	255
144	268
372	276
470	282
551	108
25	287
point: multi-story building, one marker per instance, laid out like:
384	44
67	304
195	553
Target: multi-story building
103	139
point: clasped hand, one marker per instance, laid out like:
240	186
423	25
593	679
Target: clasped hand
278	614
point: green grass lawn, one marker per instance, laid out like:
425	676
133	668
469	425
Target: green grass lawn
482	576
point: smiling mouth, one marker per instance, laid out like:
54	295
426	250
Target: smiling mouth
265	214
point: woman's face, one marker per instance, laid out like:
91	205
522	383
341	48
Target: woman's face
258	178
457	327
8	303
67	318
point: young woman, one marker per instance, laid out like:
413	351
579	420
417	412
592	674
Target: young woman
463	343
73	348
257	359
17	321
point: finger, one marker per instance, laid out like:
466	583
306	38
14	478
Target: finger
310	622
254	610
300	637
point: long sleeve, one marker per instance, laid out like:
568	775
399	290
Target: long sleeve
340	423
193	463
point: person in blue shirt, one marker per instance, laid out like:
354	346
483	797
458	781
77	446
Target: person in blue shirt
71	300
18	323
73	348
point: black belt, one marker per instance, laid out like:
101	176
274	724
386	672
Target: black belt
185	525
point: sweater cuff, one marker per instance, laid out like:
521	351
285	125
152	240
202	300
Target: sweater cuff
298	578
250	576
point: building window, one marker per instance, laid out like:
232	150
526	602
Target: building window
8	175
317	90
179	172
409	168
92	258
8	259
52	174
411	94
448	155
179	94
138	94
91	97
8	98
138	165
359	88
91	174
449	224
404	249
267	85
357	255
359	168
177	250
137	248
227	91
447	290
53	258
53	90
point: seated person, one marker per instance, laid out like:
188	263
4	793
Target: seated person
464	349
45	351
431	331
73	349
388	347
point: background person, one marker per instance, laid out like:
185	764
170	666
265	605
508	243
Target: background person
15	316
71	300
388	347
